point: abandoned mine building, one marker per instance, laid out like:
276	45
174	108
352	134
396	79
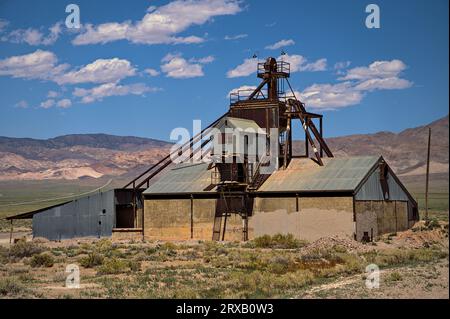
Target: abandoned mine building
240	178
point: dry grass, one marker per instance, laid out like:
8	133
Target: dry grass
269	267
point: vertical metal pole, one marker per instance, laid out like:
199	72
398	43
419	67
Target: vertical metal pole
192	217
143	214
428	174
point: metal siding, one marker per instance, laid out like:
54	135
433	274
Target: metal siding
371	189
78	218
395	191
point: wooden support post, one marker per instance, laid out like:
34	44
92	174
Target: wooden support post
224	226
428	173
296	203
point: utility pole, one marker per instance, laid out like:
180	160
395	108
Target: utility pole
428	174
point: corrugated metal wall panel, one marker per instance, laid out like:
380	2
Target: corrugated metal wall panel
371	189
395	191
79	218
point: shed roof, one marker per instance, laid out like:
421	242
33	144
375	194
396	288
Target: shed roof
304	175
186	178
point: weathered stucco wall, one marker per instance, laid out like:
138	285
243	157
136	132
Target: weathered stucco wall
380	217
316	218
171	220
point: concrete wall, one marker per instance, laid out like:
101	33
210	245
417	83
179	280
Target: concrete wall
380	217
170	219
316	218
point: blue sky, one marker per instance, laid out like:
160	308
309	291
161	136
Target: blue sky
143	68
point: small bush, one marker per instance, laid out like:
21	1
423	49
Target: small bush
42	260
113	266
23	249
11	286
395	276
91	260
278	241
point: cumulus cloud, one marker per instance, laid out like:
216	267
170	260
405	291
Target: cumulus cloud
175	66
378	69
33	36
205	60
99	71
47	104
52	94
280	44
111	89
64	103
342	65
357	82
37	65
44	65
300	64
161	25
245	69
235	37
151	72
331	96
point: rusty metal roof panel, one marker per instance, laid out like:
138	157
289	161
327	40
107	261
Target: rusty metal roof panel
184	178
304	175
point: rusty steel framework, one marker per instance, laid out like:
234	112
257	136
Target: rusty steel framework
269	106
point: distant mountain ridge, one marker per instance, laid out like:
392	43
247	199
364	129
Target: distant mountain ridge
96	155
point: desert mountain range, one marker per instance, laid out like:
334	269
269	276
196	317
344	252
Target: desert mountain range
97	155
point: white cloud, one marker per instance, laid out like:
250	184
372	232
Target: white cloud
380	75
111	89
64	103
33	36
378	69
37	65
151	72
161	25
206	60
235	37
299	63
393	83
331	96
280	44
99	71
342	65
22	104
175	66
47	104
245	69
52	94
245	89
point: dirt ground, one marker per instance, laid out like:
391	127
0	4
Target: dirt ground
413	264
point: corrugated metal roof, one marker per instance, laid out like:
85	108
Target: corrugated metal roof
184	178
304	175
